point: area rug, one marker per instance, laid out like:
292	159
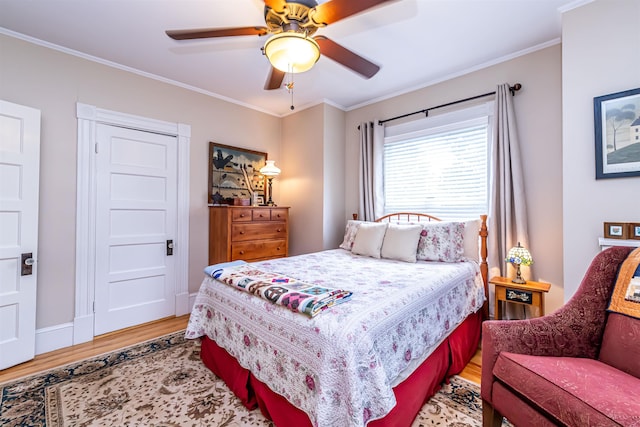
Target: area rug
163	383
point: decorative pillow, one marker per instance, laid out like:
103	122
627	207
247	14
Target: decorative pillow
350	234
441	241
401	242
369	238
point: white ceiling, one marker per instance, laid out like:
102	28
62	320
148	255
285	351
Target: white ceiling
416	43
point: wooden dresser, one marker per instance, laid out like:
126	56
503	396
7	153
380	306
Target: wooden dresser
250	233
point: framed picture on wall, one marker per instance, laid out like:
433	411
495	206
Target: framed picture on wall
234	173
634	230
617	134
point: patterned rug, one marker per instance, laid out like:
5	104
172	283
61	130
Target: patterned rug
137	386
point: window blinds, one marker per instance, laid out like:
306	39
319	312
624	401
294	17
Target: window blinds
442	171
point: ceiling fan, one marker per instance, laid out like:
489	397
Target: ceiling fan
292	25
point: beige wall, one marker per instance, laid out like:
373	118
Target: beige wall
601	55
301	181
334	184
312	181
538	111
53	82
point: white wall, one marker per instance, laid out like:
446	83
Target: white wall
601	55
538	113
53	82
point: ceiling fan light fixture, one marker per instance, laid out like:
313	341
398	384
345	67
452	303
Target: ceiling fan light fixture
292	52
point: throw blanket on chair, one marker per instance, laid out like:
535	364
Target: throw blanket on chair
298	296
626	294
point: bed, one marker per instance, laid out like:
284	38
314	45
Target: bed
372	360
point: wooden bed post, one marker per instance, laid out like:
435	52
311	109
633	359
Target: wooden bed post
484	266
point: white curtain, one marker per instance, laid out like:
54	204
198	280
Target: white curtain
507	206
371	199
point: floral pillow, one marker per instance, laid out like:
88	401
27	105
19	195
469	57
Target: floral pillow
441	241
350	232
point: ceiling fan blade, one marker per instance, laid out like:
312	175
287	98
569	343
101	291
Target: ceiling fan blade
335	10
276	5
203	33
274	81
344	56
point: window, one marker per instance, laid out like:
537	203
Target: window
439	165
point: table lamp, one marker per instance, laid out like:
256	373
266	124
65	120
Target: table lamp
518	256
270	170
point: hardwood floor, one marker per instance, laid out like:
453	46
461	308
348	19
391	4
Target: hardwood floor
473	370
101	344
130	336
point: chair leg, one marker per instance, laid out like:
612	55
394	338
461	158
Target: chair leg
490	417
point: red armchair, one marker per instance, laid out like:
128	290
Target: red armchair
579	366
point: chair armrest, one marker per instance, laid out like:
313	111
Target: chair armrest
575	330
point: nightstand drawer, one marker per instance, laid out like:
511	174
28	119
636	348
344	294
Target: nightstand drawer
259	250
258	231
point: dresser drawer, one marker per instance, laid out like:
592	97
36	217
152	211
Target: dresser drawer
279	214
242	215
261	215
259	250
258	230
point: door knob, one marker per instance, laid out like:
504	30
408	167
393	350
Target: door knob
27	264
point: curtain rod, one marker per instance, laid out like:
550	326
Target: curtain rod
512	89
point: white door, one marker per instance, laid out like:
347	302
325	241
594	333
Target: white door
19	175
136	206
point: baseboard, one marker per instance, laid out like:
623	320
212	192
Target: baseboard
81	329
183	305
54	338
192	300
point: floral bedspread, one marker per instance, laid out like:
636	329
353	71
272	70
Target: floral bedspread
339	367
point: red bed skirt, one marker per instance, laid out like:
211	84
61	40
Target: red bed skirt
448	359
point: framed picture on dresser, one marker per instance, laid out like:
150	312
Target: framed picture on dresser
234	173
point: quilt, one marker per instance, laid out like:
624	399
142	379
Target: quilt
296	295
340	367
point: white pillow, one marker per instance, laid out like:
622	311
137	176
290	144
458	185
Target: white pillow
369	238
401	242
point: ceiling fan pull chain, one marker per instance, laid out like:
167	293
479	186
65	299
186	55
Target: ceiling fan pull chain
290	85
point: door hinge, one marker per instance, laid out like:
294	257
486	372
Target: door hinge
96	147
94	307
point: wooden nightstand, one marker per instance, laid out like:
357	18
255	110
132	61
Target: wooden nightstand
530	293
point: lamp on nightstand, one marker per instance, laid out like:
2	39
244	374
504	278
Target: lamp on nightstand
270	170
518	256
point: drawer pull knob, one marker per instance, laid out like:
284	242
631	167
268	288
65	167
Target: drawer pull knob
279	230
242	232
278	248
241	215
241	252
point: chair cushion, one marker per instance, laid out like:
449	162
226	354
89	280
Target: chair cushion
621	344
575	391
